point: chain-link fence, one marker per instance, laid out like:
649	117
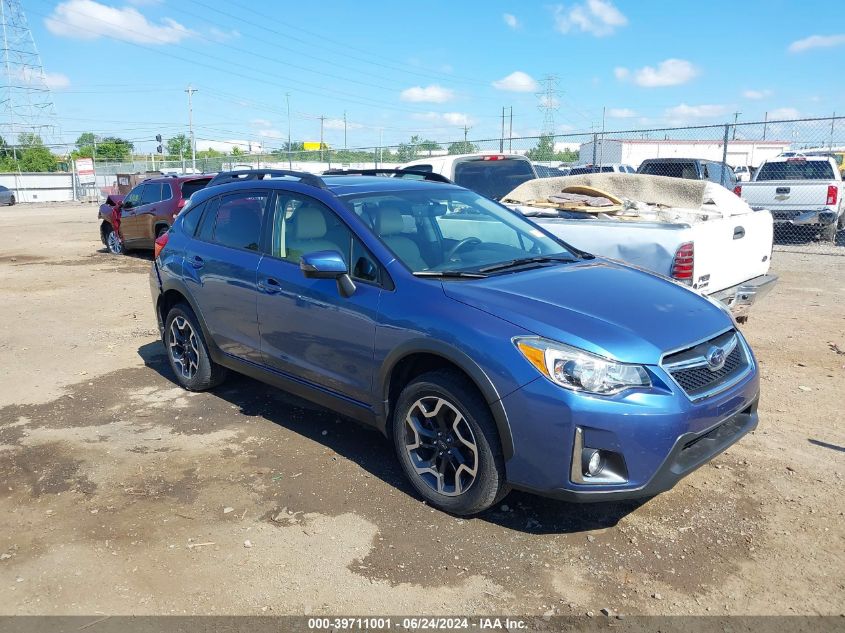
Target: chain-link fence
790	167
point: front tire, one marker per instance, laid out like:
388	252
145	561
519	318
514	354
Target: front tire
113	242
187	351
447	443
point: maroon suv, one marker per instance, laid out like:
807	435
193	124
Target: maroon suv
146	212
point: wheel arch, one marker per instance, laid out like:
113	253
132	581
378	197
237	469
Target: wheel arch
158	226
416	358
176	293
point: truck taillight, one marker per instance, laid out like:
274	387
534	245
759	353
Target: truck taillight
160	243
683	263
832	194
494	157
738	190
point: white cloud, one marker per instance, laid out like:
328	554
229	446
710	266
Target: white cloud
684	113
817	41
261	123
621	73
56	81
445	118
756	94
337	124
427	94
517	81
784	114
670	72
271	133
89	20
597	17
511	20
621	113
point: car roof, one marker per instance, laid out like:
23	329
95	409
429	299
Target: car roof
339	185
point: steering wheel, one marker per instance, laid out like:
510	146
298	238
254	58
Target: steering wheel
467	241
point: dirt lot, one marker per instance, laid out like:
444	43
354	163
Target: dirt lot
120	493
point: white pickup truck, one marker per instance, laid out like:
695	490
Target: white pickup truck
800	191
697	232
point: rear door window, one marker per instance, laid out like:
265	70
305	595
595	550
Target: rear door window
237	222
493	178
151	193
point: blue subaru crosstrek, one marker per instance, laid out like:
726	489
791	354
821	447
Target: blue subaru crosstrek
493	355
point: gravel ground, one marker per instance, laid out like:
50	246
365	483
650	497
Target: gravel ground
120	493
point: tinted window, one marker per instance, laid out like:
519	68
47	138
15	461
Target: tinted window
796	170
133	198
493	178
673	170
578	171
151	193
303	225
166	191
2	188
237	222
192	186
191	218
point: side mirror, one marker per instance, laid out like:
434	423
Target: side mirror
126	204
328	265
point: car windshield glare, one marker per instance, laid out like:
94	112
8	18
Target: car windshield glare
454	230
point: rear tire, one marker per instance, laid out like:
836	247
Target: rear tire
12	201
187	351
828	233
447	443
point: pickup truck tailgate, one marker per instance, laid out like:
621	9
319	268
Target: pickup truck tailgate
786	198
732	250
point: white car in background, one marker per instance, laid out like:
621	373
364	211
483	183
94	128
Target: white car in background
491	174
743	173
604	168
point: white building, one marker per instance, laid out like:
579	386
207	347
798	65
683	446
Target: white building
634	151
226	147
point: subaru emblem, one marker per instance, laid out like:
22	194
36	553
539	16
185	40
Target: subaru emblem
716	358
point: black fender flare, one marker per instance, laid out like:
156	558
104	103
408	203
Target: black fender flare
180	287
466	364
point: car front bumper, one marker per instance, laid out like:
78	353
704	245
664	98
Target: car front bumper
741	297
661	436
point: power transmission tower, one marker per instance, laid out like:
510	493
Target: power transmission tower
549	103
26	105
191	90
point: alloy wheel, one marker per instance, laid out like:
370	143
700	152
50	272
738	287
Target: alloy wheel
113	243
184	347
441	446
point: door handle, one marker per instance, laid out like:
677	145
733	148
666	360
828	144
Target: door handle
270	286
739	233
197	261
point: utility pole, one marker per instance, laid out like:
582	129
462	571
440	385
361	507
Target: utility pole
510	132
344	129
832	127
765	124
466	130
502	137
191	92
736	118
290	147
322	121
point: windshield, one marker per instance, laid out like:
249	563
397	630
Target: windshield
796	170
493	178
452	230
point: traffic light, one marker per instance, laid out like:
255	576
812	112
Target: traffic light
159	149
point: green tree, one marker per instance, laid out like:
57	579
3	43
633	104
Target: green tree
544	150
114	148
237	151
179	145
462	147
34	156
210	153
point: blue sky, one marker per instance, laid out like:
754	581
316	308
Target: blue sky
429	68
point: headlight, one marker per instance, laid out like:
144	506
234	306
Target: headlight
578	370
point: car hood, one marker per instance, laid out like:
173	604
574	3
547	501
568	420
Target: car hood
597	305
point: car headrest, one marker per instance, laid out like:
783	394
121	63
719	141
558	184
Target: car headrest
388	221
310	223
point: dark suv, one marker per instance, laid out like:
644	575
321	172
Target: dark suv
690	168
146	212
491	354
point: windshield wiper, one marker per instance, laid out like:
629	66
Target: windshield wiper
457	274
515	263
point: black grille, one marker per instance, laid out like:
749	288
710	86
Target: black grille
696	381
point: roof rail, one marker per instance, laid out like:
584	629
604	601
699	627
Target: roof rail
243	175
396	173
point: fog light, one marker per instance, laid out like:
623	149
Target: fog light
592	461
